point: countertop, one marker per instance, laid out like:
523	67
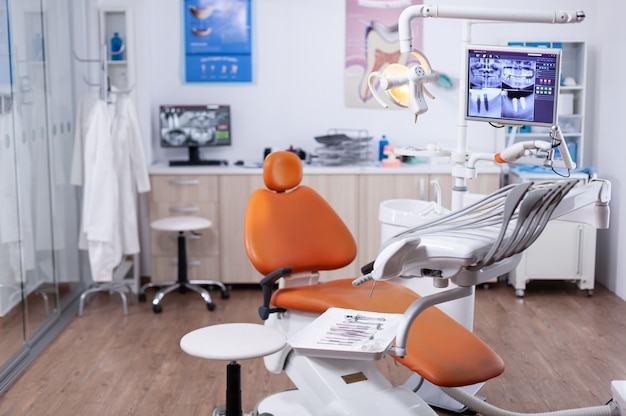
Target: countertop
162	168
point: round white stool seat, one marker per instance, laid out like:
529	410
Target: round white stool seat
233	341
181	223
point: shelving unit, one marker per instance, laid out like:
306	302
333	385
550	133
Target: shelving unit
571	100
120	72
119	75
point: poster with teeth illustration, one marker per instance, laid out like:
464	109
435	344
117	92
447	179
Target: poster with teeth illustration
372	44
217	36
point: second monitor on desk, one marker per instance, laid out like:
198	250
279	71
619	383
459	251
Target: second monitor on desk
192	127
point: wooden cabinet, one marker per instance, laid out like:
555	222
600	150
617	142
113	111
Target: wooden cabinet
235	190
219	253
195	195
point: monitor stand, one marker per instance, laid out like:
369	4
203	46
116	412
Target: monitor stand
194	160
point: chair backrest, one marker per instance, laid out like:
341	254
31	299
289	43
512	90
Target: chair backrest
291	225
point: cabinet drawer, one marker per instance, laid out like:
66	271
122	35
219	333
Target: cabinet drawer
204	243
179	188
206	210
198	268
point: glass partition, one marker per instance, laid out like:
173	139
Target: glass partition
40	265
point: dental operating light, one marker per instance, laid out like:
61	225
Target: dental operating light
404	85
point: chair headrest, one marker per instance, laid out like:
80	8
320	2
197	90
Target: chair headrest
282	171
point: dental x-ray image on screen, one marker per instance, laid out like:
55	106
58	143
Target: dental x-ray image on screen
512	85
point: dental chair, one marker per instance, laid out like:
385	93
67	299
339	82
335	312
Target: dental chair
291	234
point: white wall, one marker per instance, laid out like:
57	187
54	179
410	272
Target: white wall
607	95
297	92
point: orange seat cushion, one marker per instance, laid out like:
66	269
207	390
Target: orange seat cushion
440	349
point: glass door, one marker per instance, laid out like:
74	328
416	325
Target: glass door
11	306
33	162
40	264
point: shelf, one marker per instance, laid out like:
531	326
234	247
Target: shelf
566	88
572	101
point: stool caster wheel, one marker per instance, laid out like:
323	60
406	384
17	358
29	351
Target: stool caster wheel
225	295
157	309
210	306
142	297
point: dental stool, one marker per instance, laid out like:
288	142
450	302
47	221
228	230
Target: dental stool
232	342
182	225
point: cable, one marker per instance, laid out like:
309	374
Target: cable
487	409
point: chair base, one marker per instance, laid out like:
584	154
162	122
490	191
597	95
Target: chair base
283	403
182	287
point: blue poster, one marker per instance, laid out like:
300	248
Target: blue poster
218	45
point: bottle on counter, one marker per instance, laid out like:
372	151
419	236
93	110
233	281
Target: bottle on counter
381	147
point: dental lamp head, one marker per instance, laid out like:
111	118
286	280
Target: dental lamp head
404	85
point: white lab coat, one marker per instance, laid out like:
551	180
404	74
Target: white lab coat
113	171
132	170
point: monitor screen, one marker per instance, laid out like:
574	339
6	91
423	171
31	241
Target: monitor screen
512	85
194	126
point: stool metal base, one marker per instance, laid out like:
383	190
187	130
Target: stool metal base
182	283
193	285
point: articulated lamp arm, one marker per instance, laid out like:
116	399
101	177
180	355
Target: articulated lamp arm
474	13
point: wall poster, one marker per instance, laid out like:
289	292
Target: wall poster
372	44
217	37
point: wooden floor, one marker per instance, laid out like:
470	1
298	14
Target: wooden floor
561	348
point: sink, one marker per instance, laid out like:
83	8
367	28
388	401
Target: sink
397	215
409	212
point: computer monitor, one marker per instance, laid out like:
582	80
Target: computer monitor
511	85
193	127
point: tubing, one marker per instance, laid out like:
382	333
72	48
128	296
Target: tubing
487	409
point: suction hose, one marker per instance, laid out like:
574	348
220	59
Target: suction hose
487	409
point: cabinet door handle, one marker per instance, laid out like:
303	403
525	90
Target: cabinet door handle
184	209
183	182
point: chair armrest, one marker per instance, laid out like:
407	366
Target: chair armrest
267	283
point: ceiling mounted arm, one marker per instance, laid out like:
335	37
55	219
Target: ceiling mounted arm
477	13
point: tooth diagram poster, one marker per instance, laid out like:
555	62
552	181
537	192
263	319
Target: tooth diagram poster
217	38
372	44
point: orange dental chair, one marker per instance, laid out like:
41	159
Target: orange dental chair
291	233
